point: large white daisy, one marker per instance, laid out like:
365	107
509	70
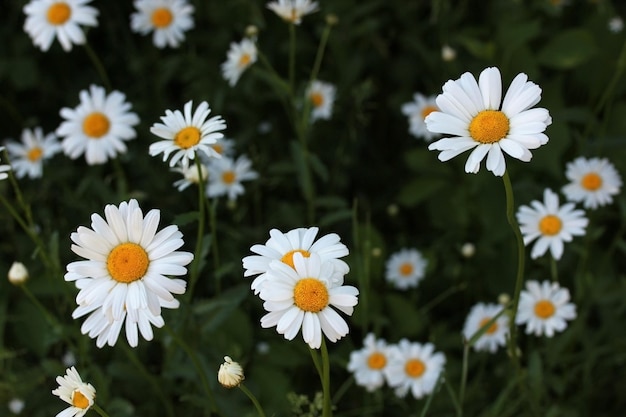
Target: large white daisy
368	363
322	97
168	20
496	334
240	56
226	176
472	113
417	111
78	394
593	181
27	157
405	268
293	10
544	308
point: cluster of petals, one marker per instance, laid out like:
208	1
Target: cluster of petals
292	11
78	394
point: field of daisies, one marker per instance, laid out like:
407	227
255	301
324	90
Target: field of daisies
312	208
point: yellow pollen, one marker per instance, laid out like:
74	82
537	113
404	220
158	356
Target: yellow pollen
414	368
79	400
591	181
376	361
187	137
492	329
244	60
34	154
317	99
406	269
428	110
162	17
58	13
288	257
544	309
127	262
311	295
550	225
489	126
228	177
96	125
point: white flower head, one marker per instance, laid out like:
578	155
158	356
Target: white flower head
473	114
240	56
616	24
322	97
417	111
168	20
550	224
496	334
405	268
18	274
28	156
368	363
16	405
226	176
292	11
78	394
230	373
593	181
544	308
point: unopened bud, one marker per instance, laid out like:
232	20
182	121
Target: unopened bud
252	31
468	250
448	53
504	299
18	274
331	19
230	374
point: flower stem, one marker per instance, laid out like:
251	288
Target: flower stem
214	245
253	399
327	410
44	311
99	410
197	258
97	63
466	347
292	55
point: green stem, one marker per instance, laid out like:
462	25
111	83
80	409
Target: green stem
466	348
253	399
97	63
441	297
214	244
292	55
197	258
99	410
327	411
554	272
44	311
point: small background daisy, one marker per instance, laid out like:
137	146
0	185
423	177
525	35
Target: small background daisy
496	334
293	10
544	308
168	20
239	58
368	363
417	111
226	176
322	97
28	156
405	268
593	182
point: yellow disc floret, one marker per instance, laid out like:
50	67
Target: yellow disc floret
544	309
428	110
79	400
489	126
376	361
550	225
187	137
162	17
244	60
310	295
317	99
492	329
288	257
414	368
96	125
34	154
406	269
591	181
127	262
228	177
58	13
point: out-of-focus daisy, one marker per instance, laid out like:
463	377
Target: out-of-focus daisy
124	278
185	133
239	57
78	394
322	96
416	111
27	157
593	181
282	246
47	19
223	146
472	113
405	268
16	405
293	10
190	175
4	168
230	373
368	363
168	20
305	297
226	176
98	126
550	224
413	367
544	308
495	335
616	24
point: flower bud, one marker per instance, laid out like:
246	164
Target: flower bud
230	374
448	53
331	19
468	250
252	31
18	274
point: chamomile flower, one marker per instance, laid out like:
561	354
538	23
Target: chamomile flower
61	19
322	96
544	308
124	277
226	176
185	133
230	373
4	168
293	10
168	20
495	335
224	147
240	56
305	297
78	394
593	181
368	363
413	367
405	268
550	224
98	127
27	157
416	111
190	175
282	247
472	113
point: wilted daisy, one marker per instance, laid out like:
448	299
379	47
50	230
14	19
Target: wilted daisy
472	113
190	175
168	20
98	126
239	57
550	224
306	296
124	278
78	394
226	176
185	133
4	168
230	373
544	308
322	96
368	363
293	10
282	246
495	335
47	19
27	157
405	268
593	181
416	111
415	367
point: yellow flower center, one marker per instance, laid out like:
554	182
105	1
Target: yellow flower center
79	400
96	125
187	137
58	13
550	225
591	181
428	110
544	309
406	269
218	148
34	154
311	295
244	60
288	257
162	17
376	361
127	262
317	99
414	368
492	329
489	126
228	177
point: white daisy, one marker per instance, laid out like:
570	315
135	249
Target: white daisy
405	268
305	297
168	20
124	276
78	394
190	175
16	405
495	335
416	111
98	126
544	308
4	168
368	363
471	112
27	157
293	10
415	367
240	56
616	24
322	96
226	176
550	224
593	181
230	373
185	133
282	246
223	146
47	19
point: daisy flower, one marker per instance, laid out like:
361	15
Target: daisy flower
322	96
47	19
226	175
293	10
305	297
415	367
544	308
185	133
471	112
282	247
616	24
223	146
416	111
230	373
168	20
27	157
405	268
550	224
98	126
123	278
495	335
190	175
4	168
78	394
593	181
240	56
368	363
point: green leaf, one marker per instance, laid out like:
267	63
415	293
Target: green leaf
568	49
